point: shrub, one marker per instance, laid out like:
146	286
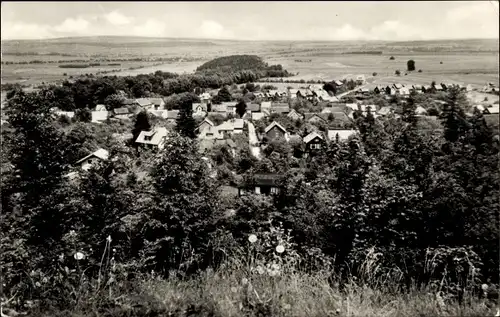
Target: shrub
374	74
391	58
410	65
397	72
419	70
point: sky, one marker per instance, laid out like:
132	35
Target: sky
278	20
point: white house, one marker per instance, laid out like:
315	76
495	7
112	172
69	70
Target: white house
88	161
153	139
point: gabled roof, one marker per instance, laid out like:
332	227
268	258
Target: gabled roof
157	135
343	134
274	124
493	109
258	115
294	112
338	83
172	114
384	111
280	107
353	106
214	131
99	116
203	106
265	104
420	110
144	102
309	115
100	153
398	86
253	107
207	121
231	125
311	136
338	116
331	109
205	95
122	110
266	179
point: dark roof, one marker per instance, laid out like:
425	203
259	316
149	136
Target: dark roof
122	110
254	107
309	115
267	179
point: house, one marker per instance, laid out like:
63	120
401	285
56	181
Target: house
337	83
265	106
253	107
360	79
210	133
231	126
90	160
397	86
313	142
258	115
365	91
390	91
493	109
122	113
267	184
314	117
200	109
305	93
171	115
294	115
420	111
331	109
259	94
151	103
405	91
154	139
385	111
99	116
69	114
129	102
230	106
280	108
100	108
378	90
205	98
426	88
292	93
338	117
205	123
275	130
417	87
340	135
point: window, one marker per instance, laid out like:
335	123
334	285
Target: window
210	134
316	146
257	190
274	190
148	137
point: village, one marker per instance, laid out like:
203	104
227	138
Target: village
307	118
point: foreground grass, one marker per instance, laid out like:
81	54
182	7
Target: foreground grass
233	293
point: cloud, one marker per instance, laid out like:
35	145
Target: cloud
212	29
70	25
151	28
23	31
116	18
396	30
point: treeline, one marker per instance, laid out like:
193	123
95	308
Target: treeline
88	92
134	59
235	63
363	53
411	205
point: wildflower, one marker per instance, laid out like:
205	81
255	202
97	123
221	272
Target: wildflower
244	281
79	256
108	239
275	267
260	270
280	249
114	250
45	280
37	284
484	287
287	306
252	238
272	273
234	289
61	257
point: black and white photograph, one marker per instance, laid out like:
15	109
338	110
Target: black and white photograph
250	159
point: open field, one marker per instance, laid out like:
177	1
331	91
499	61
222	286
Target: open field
467	61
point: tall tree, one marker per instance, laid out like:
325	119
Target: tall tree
186	125
410	65
141	124
241	108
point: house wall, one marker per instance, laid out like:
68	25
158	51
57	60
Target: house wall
309	146
203	125
275	132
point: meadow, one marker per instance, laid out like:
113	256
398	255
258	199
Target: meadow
467	61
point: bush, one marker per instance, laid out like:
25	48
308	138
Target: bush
410	65
374	74
391	58
419	70
397	72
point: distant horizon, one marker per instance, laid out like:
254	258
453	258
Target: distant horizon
242	40
254	21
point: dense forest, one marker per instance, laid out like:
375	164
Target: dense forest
394	207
